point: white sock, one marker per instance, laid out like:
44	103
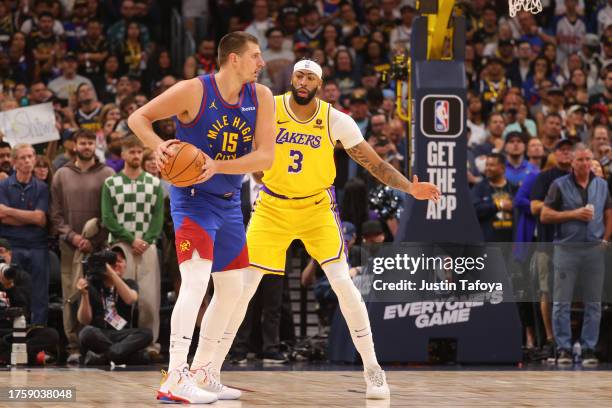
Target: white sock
250	282
195	274
354	311
228	288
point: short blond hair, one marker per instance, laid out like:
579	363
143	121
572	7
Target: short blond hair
20	146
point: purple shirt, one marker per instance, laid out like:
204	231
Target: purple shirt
115	164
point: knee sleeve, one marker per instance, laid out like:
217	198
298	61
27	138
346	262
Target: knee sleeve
195	274
342	284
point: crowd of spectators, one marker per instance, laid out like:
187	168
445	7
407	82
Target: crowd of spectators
538	86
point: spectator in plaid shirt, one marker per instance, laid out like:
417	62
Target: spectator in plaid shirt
133	212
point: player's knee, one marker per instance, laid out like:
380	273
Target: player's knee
195	274
250	283
345	290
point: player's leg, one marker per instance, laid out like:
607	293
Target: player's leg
230	258
355	313
267	240
250	283
194	249
325	243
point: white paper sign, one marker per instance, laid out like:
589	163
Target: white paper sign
32	124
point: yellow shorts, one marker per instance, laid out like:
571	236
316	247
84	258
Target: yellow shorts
276	222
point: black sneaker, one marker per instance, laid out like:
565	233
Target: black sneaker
238	358
589	359
274	357
548	352
564	357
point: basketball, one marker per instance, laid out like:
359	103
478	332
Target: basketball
185	166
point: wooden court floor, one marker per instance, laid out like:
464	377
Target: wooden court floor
330	389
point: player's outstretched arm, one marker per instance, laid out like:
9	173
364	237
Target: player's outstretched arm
265	131
174	101
367	157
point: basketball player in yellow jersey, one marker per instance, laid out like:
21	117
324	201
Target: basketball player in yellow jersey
297	202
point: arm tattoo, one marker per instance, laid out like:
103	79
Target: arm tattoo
383	171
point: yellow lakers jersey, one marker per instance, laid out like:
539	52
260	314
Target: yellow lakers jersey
304	152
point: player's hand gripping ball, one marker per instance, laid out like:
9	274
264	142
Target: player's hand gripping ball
184	166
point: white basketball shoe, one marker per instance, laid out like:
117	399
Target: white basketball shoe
208	380
377	387
178	386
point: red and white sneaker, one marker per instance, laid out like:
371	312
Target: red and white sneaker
177	386
208	380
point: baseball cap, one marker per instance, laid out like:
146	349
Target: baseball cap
4	243
592	40
599	107
388	94
576	108
563	142
289	9
348	230
371	227
70	56
555	89
357	98
310	66
300	46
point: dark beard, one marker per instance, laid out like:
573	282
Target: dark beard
86	103
300	100
6	167
82	157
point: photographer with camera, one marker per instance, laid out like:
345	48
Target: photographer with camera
106	309
15	295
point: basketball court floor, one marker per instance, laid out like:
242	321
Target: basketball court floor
312	385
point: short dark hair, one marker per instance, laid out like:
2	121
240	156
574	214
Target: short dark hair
330	81
370	8
84	134
553	115
489	7
269	31
130	141
493	114
4	145
233	43
499	157
46	14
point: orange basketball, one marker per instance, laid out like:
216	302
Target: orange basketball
185	166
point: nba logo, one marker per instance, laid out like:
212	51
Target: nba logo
441	116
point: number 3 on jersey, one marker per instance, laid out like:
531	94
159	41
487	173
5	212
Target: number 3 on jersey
297	157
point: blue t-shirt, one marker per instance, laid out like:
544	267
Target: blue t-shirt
31	196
